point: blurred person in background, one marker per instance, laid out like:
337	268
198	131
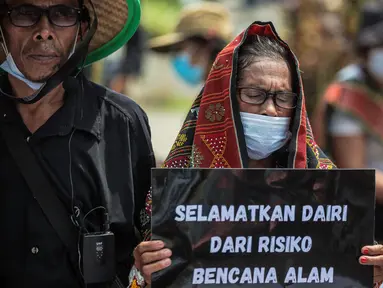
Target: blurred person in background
349	120
129	68
203	30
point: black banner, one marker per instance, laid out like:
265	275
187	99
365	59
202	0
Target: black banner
263	228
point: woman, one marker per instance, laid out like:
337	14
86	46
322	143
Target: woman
251	113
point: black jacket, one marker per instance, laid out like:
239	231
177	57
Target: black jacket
96	147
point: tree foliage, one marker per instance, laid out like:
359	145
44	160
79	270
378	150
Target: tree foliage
160	16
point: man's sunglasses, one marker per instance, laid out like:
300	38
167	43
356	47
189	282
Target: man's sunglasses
30	15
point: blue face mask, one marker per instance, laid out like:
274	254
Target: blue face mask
193	75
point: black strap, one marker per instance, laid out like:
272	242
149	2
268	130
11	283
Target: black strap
43	191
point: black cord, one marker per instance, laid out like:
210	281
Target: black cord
92	210
79	256
76	210
75	214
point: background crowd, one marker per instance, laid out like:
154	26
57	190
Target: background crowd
320	32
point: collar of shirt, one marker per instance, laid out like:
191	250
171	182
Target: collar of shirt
78	112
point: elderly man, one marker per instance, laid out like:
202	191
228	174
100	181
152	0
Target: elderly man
92	146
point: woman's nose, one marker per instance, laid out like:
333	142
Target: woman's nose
268	108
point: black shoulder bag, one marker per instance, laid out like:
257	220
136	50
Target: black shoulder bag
44	192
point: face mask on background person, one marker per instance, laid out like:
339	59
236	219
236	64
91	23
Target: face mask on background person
375	64
264	134
193	75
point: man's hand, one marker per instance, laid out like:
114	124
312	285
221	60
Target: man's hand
150	257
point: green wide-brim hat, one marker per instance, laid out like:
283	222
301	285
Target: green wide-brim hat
118	20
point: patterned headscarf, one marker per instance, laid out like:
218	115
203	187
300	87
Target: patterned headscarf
212	134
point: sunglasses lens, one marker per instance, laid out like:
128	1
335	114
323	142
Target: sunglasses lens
63	16
29	15
25	15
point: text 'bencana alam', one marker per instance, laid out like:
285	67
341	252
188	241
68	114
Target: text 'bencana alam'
263	244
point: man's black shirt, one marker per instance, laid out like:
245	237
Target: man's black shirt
97	147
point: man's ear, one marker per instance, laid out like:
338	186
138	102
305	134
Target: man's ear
85	22
83	29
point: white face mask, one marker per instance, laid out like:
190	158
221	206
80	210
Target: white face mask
10	67
264	134
375	63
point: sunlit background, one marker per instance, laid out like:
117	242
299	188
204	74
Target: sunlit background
320	33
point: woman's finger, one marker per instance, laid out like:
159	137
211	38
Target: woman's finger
371	260
149	257
148	270
148	246
143	247
373	250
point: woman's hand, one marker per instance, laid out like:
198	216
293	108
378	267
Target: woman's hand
373	255
150	257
